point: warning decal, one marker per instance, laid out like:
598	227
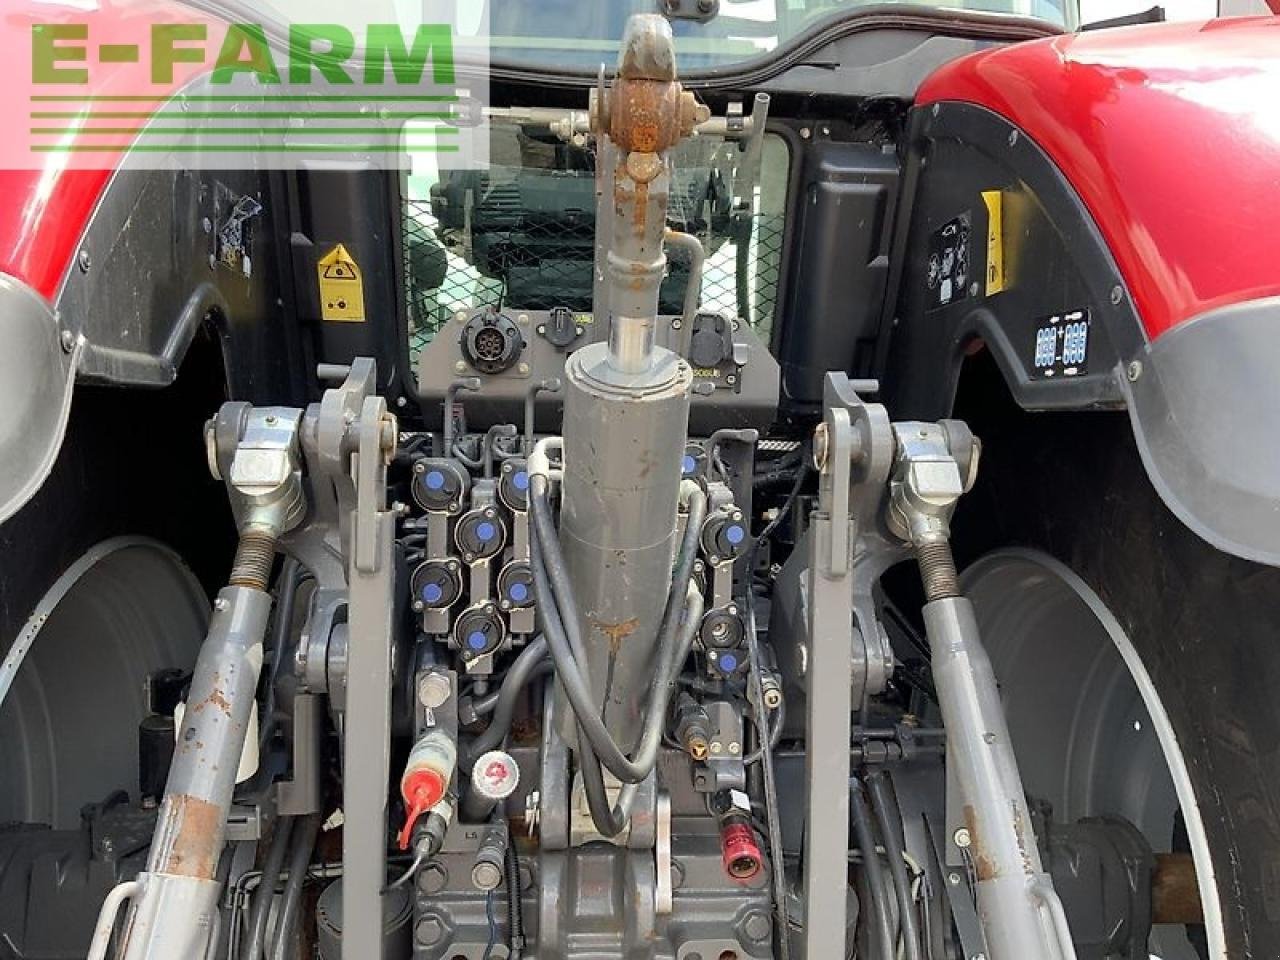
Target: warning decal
341	287
949	262
994	200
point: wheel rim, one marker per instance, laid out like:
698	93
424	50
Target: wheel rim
72	685
1089	729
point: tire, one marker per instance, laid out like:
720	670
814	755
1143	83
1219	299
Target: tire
132	465
1205	625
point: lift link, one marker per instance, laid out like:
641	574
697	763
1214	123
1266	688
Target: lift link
174	911
934	464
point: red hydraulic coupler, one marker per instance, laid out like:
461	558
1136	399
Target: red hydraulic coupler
739	850
426	778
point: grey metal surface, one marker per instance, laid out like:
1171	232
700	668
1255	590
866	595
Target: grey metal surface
1013	890
752	402
189	834
1196	390
174	911
843	657
367	740
37	374
599	901
174	916
623	445
828	706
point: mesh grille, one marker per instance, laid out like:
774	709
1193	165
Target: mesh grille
522	237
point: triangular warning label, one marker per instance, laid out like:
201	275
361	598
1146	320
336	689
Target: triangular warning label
341	287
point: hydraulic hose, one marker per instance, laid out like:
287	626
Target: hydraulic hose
484	705
775	734
884	804
291	901
610	820
555	605
266	891
517	678
876	881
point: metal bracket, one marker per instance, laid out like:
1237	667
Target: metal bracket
663	892
853	451
349	439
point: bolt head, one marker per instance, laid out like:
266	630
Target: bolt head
962	838
1117	295
757	926
428	931
84	260
434	690
432	878
1134	371
68	340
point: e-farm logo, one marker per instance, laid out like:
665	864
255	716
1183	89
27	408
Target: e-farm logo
209	88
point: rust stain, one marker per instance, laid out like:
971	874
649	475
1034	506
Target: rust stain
1020	831
191	837
645	114
217	699
617	632
983	866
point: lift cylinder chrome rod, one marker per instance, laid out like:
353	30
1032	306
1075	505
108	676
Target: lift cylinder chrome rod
1020	912
636	261
175	908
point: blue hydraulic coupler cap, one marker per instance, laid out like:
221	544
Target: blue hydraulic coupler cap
431	593
519	593
476	640
435	480
688	464
728	662
521	480
735	534
485	531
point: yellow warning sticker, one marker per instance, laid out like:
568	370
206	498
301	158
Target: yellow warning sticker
994	200
341	287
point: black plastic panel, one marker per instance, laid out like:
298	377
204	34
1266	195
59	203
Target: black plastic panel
847	202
